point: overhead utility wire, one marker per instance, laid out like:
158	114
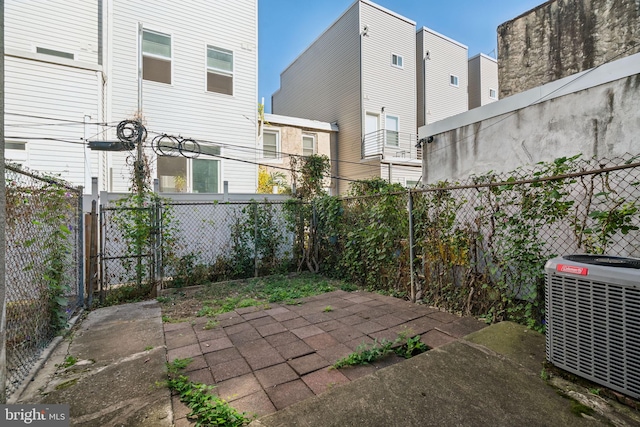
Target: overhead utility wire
257	150
59	120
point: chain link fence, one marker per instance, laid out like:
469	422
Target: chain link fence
44	265
476	247
186	243
479	246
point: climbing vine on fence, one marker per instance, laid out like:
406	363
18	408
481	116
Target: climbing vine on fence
51	211
481	245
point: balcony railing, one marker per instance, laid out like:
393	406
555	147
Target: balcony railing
391	145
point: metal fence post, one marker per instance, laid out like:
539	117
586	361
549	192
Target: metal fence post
255	239
80	249
157	244
411	254
103	264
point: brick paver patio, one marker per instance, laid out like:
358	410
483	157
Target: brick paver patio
264	360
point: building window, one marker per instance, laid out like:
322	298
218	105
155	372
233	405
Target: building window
156	57
205	175
308	145
492	94
172	174
412	184
392	126
453	80
15	152
52	52
396	60
177	174
270	142
219	70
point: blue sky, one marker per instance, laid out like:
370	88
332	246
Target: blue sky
287	27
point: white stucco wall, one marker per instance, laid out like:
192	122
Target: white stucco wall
594	113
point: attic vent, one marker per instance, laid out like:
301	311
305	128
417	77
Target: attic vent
52	52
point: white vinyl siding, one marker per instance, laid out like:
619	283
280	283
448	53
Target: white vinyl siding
446	58
58	25
400	173
185	107
35	88
323	83
388	33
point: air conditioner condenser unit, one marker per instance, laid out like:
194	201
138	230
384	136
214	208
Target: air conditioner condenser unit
593	319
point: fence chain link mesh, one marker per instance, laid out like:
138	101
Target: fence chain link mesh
191	243
43	230
479	245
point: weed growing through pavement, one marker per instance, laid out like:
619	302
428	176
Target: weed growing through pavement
544	375
367	354
169	319
207	409
328	309
210	324
69	361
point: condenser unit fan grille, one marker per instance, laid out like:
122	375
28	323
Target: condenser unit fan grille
593	330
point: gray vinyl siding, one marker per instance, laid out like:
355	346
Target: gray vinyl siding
323	83
64	25
483	75
475	85
35	88
489	73
446	58
400	173
420	78
384	85
185	107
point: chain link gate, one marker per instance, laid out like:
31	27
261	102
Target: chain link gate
129	247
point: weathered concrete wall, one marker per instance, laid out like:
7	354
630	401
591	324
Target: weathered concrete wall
563	37
600	121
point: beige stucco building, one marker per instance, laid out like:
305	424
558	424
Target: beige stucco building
283	136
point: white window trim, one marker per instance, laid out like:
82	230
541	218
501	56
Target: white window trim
141	55
278	158
222	72
17	156
457	84
386	116
495	96
315	143
401	60
189	173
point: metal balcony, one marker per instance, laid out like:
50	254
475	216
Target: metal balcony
391	145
